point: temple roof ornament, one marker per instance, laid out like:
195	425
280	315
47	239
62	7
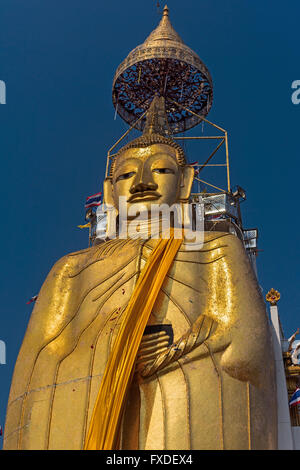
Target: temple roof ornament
273	296
163	65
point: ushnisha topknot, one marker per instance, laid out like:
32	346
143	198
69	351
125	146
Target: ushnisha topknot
156	131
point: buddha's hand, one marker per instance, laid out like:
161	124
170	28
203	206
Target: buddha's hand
152	345
155	354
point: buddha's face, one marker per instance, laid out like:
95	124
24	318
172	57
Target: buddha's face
147	176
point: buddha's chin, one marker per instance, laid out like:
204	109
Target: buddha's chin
147	209
141	208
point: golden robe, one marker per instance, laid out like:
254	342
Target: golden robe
212	388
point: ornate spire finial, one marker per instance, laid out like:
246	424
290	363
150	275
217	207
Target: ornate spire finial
156	131
156	118
163	32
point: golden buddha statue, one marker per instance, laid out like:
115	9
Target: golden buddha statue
202	374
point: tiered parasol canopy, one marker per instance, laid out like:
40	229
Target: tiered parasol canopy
163	65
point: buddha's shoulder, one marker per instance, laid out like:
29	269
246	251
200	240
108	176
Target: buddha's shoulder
211	241
216	239
117	249
206	243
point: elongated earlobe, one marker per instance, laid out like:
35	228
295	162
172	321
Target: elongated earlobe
186	182
108	192
182	180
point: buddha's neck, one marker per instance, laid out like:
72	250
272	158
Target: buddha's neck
144	227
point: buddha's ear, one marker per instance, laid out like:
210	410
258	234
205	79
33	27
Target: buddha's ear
108	192
187	177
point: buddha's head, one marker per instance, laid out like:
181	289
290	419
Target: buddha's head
151	169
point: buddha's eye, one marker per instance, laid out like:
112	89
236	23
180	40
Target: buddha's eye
125	176
163	171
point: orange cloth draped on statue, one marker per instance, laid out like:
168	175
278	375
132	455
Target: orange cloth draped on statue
105	423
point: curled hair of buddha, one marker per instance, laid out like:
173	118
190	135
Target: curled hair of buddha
156	131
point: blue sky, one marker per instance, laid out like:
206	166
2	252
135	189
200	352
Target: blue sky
58	59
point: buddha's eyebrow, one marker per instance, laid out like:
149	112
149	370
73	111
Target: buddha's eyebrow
129	161
166	157
163	154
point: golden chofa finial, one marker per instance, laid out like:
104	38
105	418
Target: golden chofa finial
273	296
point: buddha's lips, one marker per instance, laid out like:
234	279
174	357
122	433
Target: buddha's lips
144	196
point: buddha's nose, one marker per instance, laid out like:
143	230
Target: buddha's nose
143	182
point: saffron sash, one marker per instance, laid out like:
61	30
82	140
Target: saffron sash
103	433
